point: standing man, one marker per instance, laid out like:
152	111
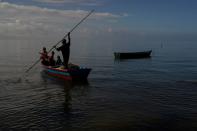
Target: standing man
65	49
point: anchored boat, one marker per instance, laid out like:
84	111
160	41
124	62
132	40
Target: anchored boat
132	55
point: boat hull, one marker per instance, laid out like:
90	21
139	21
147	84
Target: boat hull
67	74
132	55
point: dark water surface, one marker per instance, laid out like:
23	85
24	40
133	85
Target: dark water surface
148	94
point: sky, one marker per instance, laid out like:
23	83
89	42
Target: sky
114	19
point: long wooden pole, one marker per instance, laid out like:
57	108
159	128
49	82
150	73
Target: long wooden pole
61	39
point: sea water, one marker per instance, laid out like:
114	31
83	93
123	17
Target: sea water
159	93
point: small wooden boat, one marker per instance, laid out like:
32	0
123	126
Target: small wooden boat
132	55
67	74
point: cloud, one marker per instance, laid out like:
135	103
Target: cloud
125	14
22	19
51	1
76	2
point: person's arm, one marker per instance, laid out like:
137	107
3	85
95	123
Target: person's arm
58	49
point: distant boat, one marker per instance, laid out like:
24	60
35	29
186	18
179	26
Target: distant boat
67	74
132	55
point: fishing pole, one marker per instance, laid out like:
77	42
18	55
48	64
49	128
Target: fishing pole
61	39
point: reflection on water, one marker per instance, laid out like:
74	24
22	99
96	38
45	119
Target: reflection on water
68	99
67	86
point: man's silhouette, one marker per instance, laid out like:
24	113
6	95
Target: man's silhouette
65	49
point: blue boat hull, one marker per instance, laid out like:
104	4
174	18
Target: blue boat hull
68	74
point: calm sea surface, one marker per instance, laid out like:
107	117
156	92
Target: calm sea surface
147	94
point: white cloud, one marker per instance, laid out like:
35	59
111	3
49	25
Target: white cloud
76	2
125	14
27	19
51	1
